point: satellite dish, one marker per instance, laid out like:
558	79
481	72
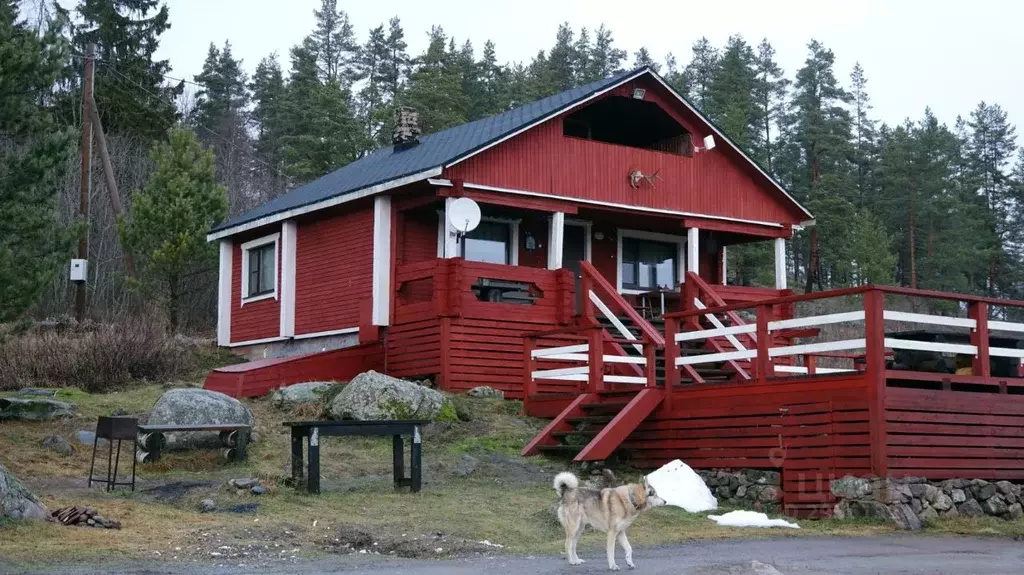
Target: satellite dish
464	215
709	142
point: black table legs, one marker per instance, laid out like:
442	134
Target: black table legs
415	461
398	459
297	463
313	479
312	440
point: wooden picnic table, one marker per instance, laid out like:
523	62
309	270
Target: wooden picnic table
310	432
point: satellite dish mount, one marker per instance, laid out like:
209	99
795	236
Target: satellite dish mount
463	216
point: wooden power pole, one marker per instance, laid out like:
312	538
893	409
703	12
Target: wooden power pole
86	146
108	174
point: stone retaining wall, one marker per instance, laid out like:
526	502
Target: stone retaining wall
750	489
913	501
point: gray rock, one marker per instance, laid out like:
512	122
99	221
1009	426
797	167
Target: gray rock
768	495
868	509
300	393
36	392
942	502
1004	487
918	490
970	508
86	437
119	412
741	491
243	483
723	492
851	487
198	407
995	505
485	391
16	501
375	396
931	493
958	496
20	409
465	466
904	517
983	491
207	506
58	444
913	480
916	505
1016	511
928	515
734	482
258	490
951	512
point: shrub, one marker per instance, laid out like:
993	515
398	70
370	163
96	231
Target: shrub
99	359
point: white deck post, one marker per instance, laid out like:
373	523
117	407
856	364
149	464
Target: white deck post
451	240
780	263
289	237
382	260
692	250
227	247
725	270
556	239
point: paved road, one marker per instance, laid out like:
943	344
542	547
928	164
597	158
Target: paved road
846	556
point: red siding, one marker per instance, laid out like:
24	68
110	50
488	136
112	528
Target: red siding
718	182
254	320
334	270
417	236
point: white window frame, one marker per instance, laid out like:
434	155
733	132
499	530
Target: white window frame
246	248
679	240
513	235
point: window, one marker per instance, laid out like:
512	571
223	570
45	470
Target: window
647	264
490	242
629	122
259	269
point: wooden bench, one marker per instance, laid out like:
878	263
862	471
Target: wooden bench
233	437
310	432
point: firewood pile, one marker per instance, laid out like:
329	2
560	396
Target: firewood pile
84	516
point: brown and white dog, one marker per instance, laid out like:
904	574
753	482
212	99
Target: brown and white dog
612	510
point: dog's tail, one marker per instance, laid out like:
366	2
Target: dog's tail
565	481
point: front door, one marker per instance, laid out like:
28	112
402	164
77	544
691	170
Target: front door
574	250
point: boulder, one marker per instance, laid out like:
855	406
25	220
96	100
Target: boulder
983	490
485	391
1004	487
904	517
995	505
207	506
466	466
375	396
942	502
958	496
1016	511
198	407
970	508
36	392
58	444
928	515
300	393
16	501
768	495
851	487
20	409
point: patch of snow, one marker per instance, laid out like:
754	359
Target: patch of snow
750	519
680	486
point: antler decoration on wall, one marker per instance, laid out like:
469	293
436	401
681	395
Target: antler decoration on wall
636	177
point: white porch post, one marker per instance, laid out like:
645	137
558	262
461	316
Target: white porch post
556	239
692	250
725	269
289	236
227	247
780	263
382	260
450	240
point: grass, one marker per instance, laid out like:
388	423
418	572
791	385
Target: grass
510	505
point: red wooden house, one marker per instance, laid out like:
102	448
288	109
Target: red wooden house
595	290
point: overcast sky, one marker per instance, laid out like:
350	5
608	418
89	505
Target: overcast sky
943	53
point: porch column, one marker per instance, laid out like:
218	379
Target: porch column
227	247
725	270
556	239
692	250
382	260
289	236
780	263
450	240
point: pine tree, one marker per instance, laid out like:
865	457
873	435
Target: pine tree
493	82
130	90
605	59
730	94
700	72
472	89
769	95
642	57
224	96
33	158
674	76
170	218
864	135
268	92
562	61
335	42
435	87
582	50
384	67
873	259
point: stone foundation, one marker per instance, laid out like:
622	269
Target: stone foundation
750	489
913	501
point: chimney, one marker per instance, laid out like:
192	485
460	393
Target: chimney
407	129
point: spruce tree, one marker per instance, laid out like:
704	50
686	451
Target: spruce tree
730	94
699	74
224	96
605	59
268	93
170	218
336	47
674	76
642	57
864	136
130	89
562	61
582	50
33	157
435	87
769	95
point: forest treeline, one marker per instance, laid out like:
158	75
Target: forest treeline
925	203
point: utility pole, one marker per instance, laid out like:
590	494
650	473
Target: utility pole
86	146
108	173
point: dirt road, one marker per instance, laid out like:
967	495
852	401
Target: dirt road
847	556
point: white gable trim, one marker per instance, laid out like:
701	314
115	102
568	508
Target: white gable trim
324	204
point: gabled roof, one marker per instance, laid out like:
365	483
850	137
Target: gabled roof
386	168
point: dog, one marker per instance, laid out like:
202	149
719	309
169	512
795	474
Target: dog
611	509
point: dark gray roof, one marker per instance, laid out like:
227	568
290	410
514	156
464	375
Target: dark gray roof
434	150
